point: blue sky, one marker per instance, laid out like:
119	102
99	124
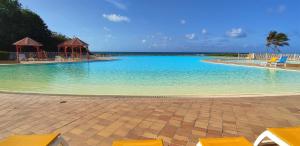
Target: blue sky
172	25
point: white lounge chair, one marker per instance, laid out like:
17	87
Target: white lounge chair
59	59
22	57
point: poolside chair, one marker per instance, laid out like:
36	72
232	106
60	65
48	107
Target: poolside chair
138	143
281	136
229	141
53	139
271	61
281	61
59	59
250	56
22	57
31	59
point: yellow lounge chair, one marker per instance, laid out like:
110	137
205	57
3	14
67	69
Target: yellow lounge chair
53	139
281	136
138	143
230	141
272	60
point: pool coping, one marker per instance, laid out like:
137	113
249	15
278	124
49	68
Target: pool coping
156	96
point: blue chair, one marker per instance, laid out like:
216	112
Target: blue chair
282	61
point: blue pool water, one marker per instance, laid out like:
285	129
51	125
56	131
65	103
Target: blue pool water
149	76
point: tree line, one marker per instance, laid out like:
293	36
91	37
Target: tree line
17	22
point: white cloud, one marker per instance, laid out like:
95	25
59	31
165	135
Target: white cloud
108	37
182	21
277	9
106	29
190	36
236	33
158	40
281	8
116	18
117	4
204	31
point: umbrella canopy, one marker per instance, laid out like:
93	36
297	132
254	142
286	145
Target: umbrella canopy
27	42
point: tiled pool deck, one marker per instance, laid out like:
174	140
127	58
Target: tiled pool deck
97	121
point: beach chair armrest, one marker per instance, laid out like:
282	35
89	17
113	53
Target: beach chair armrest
199	144
271	136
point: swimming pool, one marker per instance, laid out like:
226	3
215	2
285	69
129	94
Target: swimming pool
148	76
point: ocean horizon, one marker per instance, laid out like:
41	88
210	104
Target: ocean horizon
166	53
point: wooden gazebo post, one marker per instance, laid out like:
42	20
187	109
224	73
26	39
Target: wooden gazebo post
80	52
72	52
38	53
58	50
17	53
66	51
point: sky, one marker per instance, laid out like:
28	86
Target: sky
172	25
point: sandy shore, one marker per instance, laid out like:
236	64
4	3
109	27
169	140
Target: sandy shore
94	121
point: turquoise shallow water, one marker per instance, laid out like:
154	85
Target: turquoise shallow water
148	75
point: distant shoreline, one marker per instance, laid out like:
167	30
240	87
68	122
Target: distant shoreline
169	53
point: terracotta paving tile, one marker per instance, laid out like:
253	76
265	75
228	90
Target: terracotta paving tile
181	138
176	142
149	135
98	121
168	131
199	133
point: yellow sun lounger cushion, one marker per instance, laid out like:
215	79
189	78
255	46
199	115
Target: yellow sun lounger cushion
273	60
138	143
230	141
289	135
29	140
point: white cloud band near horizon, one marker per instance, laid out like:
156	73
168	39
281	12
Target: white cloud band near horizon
115	18
236	33
190	36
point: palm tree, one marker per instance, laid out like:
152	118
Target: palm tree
276	40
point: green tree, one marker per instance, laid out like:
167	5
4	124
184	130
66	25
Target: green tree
10	11
56	38
17	23
276	40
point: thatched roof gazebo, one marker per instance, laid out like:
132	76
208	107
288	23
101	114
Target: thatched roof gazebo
28	42
74	44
